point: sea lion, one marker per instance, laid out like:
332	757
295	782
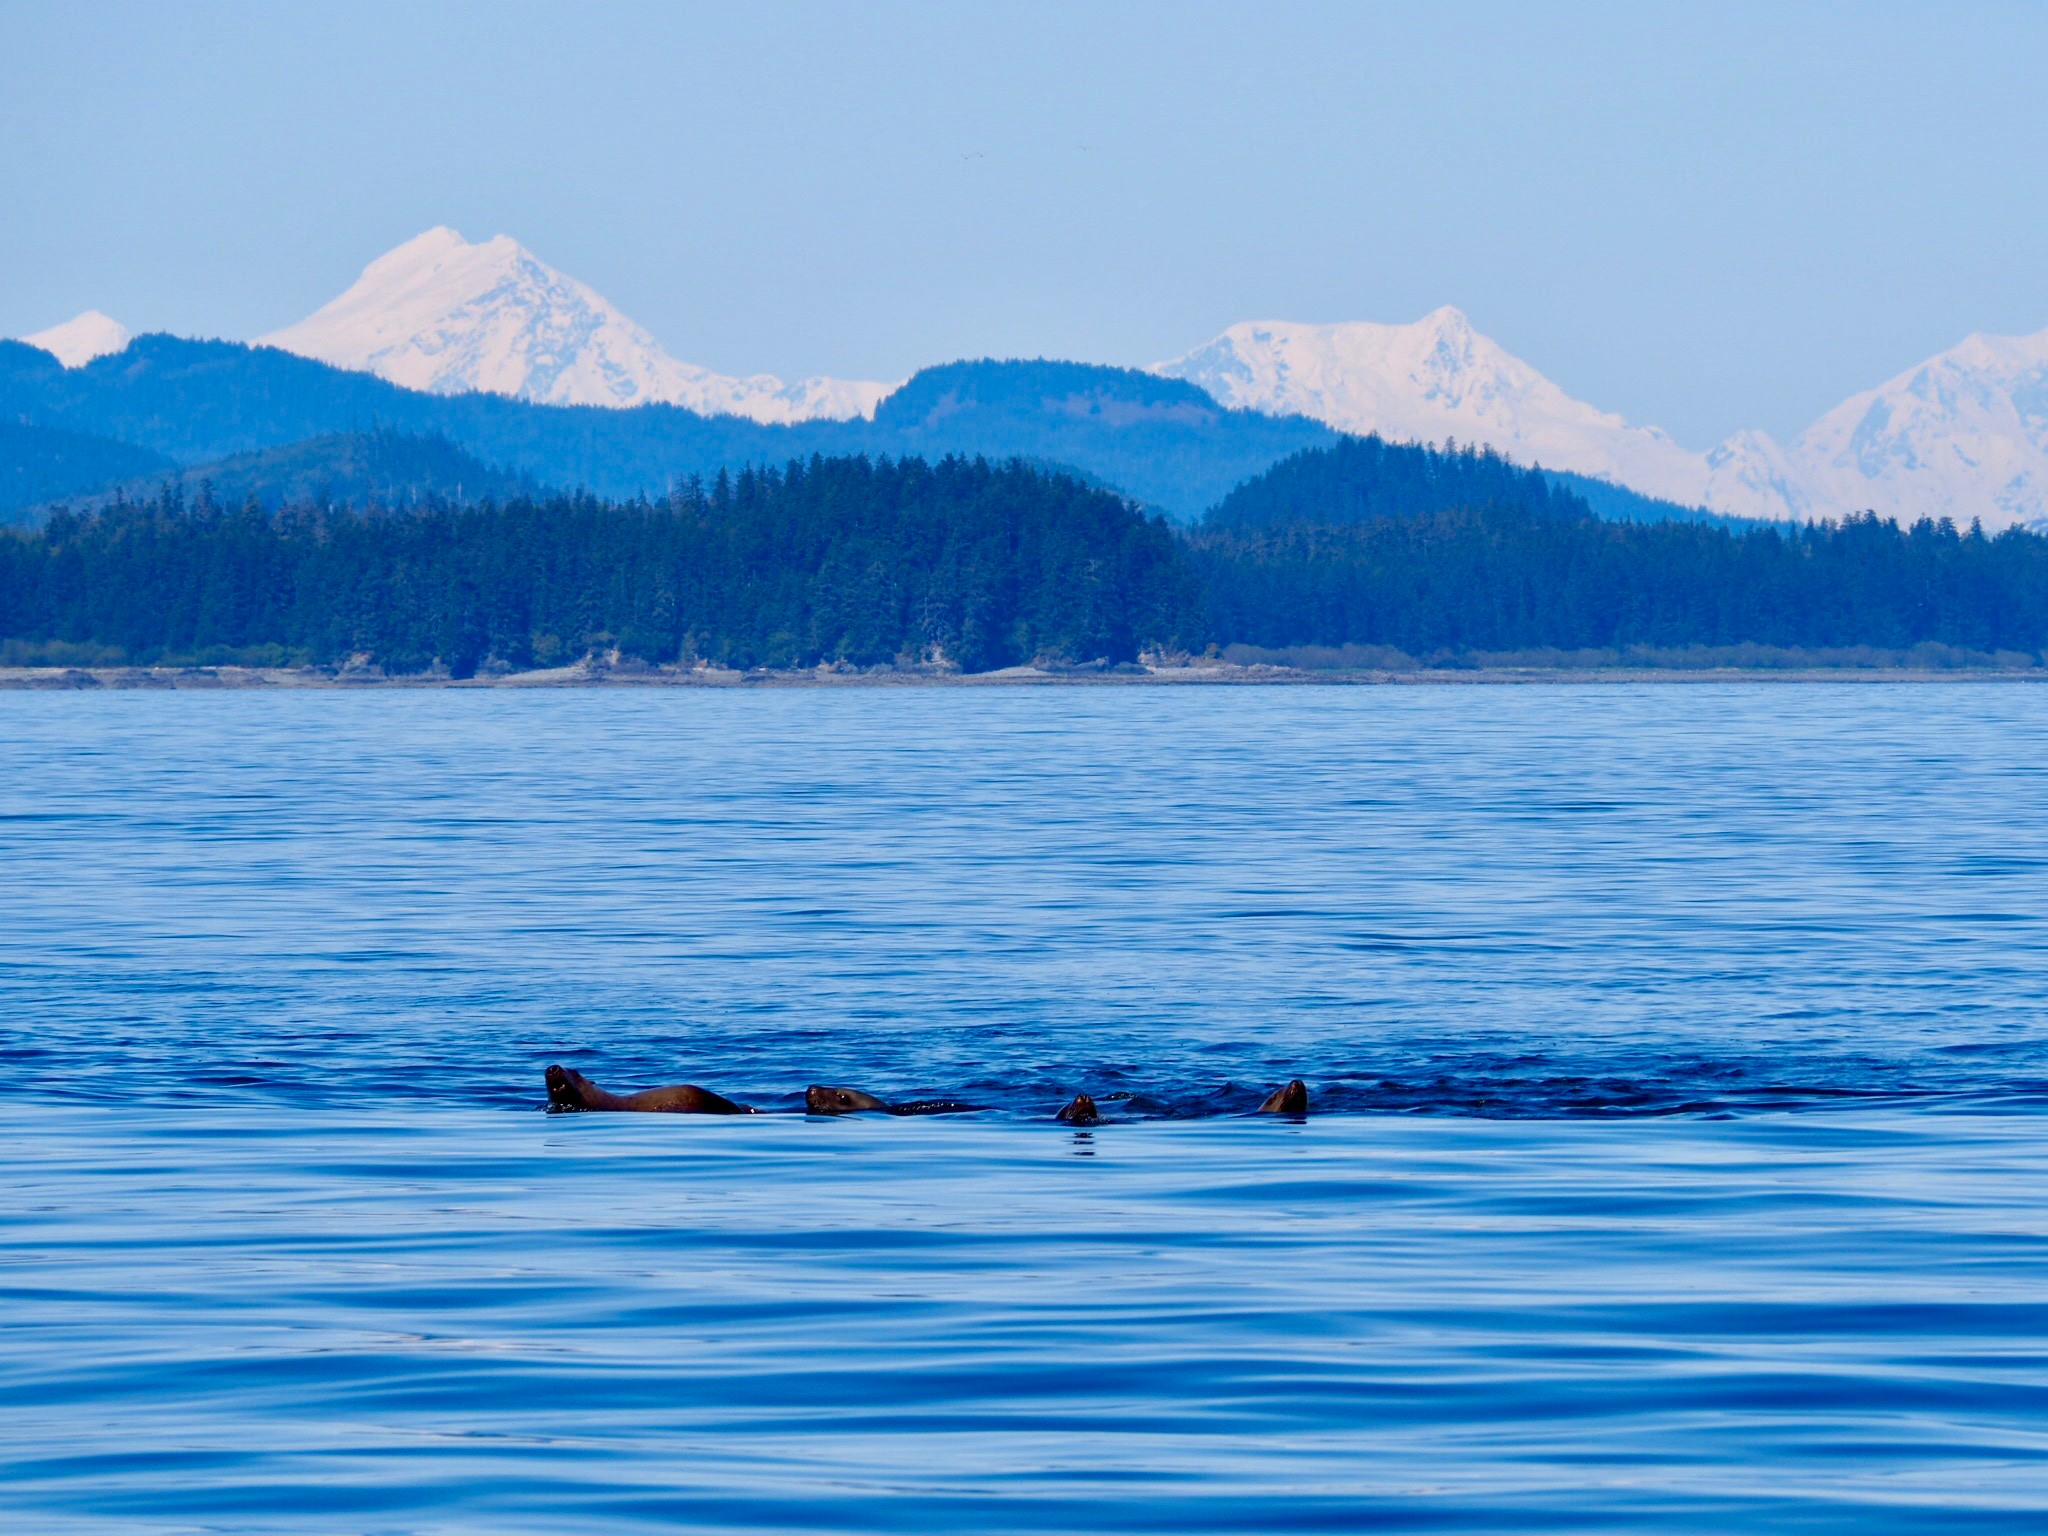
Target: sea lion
819	1100
569	1089
1291	1100
1081	1111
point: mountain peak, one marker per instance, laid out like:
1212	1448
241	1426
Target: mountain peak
441	235
81	338
446	315
1960	435
1429	380
426	249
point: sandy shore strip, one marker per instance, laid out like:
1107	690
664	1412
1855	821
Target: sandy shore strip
630	675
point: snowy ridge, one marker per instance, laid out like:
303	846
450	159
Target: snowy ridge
444	315
1963	435
1750	475
82	338
1435	379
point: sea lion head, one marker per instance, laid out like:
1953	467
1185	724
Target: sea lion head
819	1100
1291	1100
1081	1111
568	1088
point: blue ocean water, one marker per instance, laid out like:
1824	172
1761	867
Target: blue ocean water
1679	1159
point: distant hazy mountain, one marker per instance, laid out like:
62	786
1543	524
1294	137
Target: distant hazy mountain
1963	435
443	315
40	464
1750	475
81	338
1165	443
1435	379
1619	504
482	336
1162	442
376	468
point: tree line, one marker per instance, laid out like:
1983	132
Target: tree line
979	565
864	561
1496	578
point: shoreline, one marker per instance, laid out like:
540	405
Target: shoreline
583	675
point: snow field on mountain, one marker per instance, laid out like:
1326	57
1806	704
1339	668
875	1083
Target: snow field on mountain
445	315
1962	435
81	338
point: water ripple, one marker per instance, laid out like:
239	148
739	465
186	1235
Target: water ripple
1677	1053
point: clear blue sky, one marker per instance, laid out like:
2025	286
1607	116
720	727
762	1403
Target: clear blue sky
1705	217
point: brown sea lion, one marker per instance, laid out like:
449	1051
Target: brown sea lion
1081	1111
819	1100
569	1089
1291	1100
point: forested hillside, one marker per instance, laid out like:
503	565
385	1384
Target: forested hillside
380	468
867	561
1498	578
263	422
1357	479
845	559
1370	543
1159	441
39	465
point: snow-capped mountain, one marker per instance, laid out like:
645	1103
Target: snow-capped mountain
442	314
81	338
1434	379
1750	475
1963	435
